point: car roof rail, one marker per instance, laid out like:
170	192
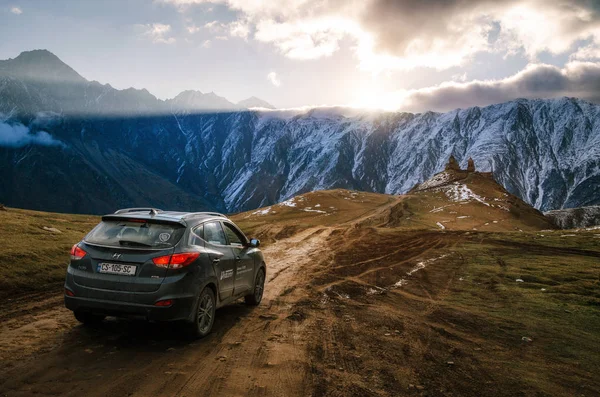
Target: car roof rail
152	211
206	213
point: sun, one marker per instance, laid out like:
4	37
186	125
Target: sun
386	101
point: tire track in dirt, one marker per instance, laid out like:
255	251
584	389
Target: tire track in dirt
255	351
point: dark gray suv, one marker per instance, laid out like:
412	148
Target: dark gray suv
163	265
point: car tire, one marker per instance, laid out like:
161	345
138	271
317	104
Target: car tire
204	314
89	319
257	292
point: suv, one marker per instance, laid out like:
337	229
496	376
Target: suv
163	265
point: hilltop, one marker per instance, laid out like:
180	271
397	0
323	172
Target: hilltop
460	199
453	199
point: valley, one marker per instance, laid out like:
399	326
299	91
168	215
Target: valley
366	296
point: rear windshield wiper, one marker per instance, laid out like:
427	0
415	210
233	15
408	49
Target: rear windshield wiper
129	242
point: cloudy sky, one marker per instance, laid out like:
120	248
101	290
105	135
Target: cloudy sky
408	55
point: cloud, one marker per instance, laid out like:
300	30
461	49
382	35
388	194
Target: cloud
401	35
192	29
576	79
157	32
589	52
16	10
274	79
206	44
17	135
234	29
239	29
214	26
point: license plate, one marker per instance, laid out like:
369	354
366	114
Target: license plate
116	268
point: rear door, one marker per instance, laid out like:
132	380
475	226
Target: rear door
137	272
119	255
214	236
244	263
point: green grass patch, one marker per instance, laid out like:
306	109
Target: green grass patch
557	305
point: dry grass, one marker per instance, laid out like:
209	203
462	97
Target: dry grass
321	208
32	258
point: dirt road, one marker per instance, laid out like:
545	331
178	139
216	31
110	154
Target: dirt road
252	351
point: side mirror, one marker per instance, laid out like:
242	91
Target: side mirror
254	242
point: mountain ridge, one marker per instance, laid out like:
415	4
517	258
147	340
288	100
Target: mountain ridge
44	67
546	152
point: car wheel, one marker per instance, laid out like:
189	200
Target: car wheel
88	318
204	316
259	287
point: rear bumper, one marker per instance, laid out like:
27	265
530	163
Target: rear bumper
180	289
180	310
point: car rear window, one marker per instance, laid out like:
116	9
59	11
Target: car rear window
135	233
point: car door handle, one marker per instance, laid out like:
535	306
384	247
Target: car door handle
216	260
237	258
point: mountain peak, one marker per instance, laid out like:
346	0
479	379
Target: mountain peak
191	100
254	102
37	55
40	66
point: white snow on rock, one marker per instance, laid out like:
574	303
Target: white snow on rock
400	283
439	209
376	290
461	193
263	211
418	266
437	180
440	225
288	203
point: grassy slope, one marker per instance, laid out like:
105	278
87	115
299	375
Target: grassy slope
456	326
32	258
321	208
557	305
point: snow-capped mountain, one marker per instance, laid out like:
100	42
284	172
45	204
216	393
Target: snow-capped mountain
114	148
254	102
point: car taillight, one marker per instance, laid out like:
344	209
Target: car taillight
167	302
69	292
77	253
176	261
